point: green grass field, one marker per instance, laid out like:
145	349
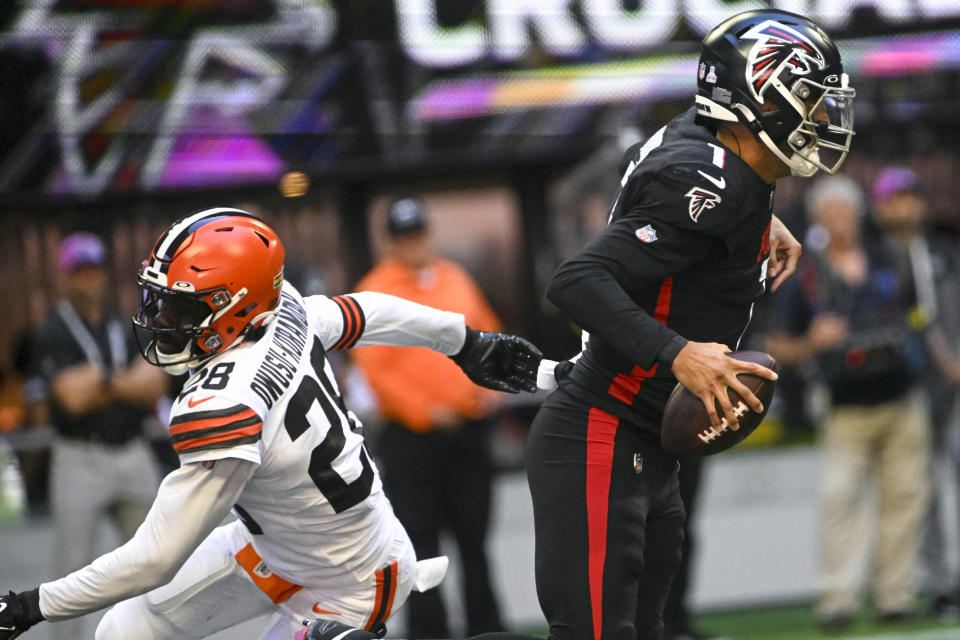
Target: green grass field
798	623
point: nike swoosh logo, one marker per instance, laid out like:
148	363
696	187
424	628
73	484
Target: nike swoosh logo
317	609
3	605
192	404
720	183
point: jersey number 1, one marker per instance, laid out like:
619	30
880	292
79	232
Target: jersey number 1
339	493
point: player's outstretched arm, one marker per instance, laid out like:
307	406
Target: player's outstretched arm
371	318
191	502
499	361
495	360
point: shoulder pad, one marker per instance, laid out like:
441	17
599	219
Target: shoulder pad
697	195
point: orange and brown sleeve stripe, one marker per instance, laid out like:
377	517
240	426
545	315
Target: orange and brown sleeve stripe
354	322
386	590
215	429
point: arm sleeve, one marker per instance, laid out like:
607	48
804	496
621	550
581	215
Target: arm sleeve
592	297
218	427
191	501
590	287
369	318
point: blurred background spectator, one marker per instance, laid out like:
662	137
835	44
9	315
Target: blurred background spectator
902	211
849	311
434	449
28	414
101	393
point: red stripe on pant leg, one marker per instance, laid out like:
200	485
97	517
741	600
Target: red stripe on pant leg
393	590
601	430
378	602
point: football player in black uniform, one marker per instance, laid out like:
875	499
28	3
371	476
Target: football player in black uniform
665	292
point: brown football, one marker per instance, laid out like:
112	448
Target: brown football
685	428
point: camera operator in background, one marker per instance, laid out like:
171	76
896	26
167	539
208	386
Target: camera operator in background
901	209
849	312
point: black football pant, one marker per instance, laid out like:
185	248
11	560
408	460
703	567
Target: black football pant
676	613
608	522
441	480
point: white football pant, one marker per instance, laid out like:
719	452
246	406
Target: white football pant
213	591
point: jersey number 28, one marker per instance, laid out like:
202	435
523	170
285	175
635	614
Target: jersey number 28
339	493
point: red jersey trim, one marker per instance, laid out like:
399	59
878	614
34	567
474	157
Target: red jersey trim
626	387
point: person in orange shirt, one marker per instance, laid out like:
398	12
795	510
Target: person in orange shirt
435	447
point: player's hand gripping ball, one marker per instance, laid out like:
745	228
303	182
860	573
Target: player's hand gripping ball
685	428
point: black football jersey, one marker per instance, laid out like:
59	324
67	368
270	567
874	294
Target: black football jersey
684	253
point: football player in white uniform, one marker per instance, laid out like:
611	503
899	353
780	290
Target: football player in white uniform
261	428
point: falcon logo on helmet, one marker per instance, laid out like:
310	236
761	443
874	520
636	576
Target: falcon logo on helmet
777	45
781	76
701	199
212	278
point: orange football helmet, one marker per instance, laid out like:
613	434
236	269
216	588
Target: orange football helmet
212	278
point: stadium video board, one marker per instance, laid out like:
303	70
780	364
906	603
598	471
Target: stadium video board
115	96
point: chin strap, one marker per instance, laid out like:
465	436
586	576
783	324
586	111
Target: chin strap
262	320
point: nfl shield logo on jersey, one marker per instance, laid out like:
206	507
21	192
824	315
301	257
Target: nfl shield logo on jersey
647	234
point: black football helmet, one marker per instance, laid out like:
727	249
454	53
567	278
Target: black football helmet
781	75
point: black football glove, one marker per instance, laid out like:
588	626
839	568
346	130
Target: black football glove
499	361
19	612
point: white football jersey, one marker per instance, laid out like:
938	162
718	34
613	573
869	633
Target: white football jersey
315	503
